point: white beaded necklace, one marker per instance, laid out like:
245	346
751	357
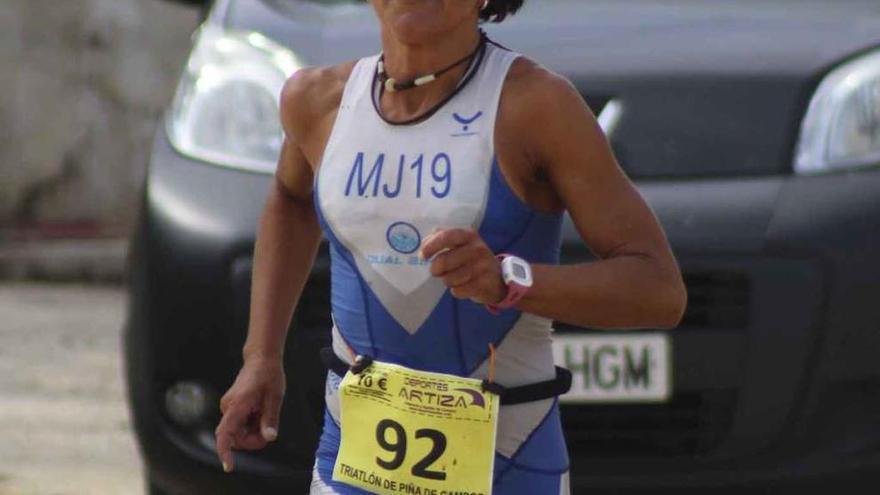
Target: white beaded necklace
392	85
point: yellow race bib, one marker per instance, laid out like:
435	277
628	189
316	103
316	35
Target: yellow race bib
416	432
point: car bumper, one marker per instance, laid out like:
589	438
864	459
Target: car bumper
775	374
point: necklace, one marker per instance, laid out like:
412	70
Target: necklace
379	88
391	84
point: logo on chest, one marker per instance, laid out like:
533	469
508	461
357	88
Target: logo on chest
466	124
403	237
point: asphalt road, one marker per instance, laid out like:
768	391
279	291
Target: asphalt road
64	425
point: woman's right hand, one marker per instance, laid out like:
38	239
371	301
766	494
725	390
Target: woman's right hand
251	408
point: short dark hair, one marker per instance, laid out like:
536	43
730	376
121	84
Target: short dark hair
498	10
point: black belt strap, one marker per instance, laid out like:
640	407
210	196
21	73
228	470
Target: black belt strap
509	395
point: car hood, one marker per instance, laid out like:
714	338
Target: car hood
706	87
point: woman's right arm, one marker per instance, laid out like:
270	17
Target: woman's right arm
287	242
288	237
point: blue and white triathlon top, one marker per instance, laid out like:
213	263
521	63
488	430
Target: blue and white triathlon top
380	189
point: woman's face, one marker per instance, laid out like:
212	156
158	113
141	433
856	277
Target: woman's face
423	21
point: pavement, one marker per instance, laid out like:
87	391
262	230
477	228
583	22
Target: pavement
64	422
71	259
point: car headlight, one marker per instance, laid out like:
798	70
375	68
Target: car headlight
842	126
226	107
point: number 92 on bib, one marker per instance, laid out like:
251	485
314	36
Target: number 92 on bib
415	432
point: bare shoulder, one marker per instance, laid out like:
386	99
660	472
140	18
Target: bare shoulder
310	96
547	134
536	109
546	113
532	90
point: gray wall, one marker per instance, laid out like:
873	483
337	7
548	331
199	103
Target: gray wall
82	87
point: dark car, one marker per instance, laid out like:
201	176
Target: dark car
751	128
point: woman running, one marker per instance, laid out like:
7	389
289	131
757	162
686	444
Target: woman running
439	172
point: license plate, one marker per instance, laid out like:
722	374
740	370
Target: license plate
615	368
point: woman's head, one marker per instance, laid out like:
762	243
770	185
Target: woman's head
419	21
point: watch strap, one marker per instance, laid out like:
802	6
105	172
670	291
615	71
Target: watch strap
515	292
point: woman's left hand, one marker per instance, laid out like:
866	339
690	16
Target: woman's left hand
465	264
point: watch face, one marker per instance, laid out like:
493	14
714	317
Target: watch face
517	270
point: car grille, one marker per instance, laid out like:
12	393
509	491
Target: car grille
694	422
691	424
717	299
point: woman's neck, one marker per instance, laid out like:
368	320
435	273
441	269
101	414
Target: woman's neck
405	61
410	60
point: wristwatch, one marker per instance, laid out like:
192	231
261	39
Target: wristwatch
517	275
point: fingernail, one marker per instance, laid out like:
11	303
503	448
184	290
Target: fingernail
270	433
226	467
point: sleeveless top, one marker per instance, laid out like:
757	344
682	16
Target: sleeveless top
380	190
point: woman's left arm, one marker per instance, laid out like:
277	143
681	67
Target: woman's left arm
634	283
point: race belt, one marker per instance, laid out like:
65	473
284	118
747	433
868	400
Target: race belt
415	432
